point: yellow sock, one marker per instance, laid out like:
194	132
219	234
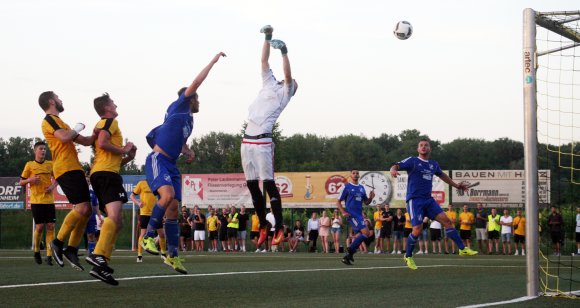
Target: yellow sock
49	238
107	238
70	221
78	232
163	244
139	247
36	237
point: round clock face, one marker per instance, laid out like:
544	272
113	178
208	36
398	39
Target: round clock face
380	183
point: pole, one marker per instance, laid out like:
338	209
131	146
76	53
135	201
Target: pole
530	150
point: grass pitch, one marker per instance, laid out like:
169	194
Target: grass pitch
272	280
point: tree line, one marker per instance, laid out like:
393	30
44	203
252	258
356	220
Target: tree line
219	152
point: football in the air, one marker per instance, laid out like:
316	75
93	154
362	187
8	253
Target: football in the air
403	30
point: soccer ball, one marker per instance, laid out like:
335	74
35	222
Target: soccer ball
403	30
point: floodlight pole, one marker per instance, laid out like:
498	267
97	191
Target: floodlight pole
530	150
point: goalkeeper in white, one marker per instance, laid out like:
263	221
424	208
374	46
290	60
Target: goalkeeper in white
257	148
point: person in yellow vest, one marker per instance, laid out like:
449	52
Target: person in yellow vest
37	175
452	215
466	221
520	232
146	202
493	228
377	216
233	226
255	231
212	229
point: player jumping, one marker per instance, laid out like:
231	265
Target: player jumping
257	149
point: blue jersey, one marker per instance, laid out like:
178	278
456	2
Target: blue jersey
176	128
420	181
354	196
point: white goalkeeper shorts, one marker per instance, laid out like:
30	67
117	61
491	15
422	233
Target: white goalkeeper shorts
257	159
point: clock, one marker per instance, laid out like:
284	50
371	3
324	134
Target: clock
380	183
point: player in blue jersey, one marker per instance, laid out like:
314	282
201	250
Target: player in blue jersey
168	141
354	195
91	230
420	203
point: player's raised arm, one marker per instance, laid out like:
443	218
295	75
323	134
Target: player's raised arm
445	178
202	75
267	30
395	170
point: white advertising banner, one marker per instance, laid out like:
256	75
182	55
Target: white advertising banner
498	186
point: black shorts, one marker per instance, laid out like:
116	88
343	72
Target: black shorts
254	234
144	221
43	213
75	186
385	233
223	234
232	232
556	237
108	187
465	234
407	231
519	238
577	237
185	231
493	235
435	234
271	233
213	235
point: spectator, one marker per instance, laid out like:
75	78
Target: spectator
223	229
297	235
435	230
481	227
398	230
243	226
466	220
367	242
313	226
555	222
197	221
324	230
212	228
184	230
407	230
423	237
272	220
377	215
506	222
520	232
336	230
233	226
255	231
453	216
577	231
493	228
387	227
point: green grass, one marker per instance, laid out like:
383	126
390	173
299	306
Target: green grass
279	279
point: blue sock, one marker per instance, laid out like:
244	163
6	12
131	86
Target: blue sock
155	221
411	241
357	241
172	236
91	246
452	234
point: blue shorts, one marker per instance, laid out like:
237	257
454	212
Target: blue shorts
357	223
419	208
161	171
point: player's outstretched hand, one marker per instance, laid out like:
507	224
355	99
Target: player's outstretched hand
394	173
218	56
463	186
267	29
278	44
372	195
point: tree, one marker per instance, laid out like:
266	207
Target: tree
14	153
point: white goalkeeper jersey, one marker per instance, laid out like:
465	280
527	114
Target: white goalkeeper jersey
267	107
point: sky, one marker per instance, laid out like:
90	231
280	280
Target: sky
458	76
